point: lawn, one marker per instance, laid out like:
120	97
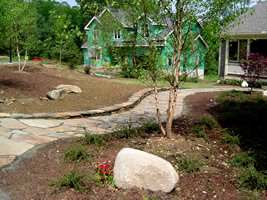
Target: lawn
25	92
213	158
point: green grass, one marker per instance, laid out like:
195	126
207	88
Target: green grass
199	131
252	179
208	122
188	165
208	82
76	153
72	180
242	160
97	140
230	139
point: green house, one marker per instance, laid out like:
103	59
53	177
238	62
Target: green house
112	32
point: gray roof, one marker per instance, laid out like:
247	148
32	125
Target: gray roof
253	22
122	16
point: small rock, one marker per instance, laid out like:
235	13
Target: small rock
2	101
244	84
56	94
69	88
135	168
2	91
44	98
218	81
264	93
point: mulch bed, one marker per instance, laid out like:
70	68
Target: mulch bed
32	177
25	90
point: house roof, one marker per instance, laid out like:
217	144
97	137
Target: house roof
253	22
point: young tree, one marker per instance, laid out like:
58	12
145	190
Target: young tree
64	33
20	28
254	68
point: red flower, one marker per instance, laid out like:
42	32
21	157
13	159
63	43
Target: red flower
105	168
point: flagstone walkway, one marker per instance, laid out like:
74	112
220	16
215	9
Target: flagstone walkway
19	135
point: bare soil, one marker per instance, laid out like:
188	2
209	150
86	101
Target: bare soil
23	92
32	177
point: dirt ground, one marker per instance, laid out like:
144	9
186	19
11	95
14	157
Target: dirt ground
32	177
24	92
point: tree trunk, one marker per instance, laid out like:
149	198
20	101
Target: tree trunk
18	54
25	60
158	111
60	55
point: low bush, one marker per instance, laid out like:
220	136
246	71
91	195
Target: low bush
230	139
76	153
150	126
208	121
98	140
71	180
199	131
242	160
252	179
188	165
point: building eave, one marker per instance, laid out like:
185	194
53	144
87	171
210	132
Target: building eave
90	22
202	39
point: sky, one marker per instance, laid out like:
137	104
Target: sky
70	2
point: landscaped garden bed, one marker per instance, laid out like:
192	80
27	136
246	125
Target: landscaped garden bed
25	92
218	150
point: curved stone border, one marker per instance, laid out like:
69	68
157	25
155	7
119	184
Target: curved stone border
134	100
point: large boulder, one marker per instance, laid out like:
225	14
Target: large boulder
56	94
69	88
135	168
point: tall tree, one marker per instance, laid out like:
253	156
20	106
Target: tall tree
20	28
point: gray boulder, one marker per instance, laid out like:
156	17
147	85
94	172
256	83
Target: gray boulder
69	88
56	94
135	168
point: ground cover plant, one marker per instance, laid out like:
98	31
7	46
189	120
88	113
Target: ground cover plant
217	167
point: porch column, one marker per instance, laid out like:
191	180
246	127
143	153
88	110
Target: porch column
222	59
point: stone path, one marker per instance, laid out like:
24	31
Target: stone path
19	135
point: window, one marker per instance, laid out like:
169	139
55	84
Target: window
237	50
145	30
233	51
169	61
98	54
117	34
96	34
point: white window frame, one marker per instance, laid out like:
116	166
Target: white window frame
117	34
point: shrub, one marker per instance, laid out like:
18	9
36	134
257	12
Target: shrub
188	165
230	139
200	131
87	69
150	126
98	140
242	160
76	153
252	179
125	132
208	122
71	180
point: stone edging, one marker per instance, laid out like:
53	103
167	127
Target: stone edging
134	100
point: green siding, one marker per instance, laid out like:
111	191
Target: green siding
106	40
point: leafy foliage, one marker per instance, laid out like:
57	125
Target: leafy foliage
254	68
98	140
76	153
71	180
242	160
252	179
188	165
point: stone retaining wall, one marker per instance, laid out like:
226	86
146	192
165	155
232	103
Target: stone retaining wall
134	100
